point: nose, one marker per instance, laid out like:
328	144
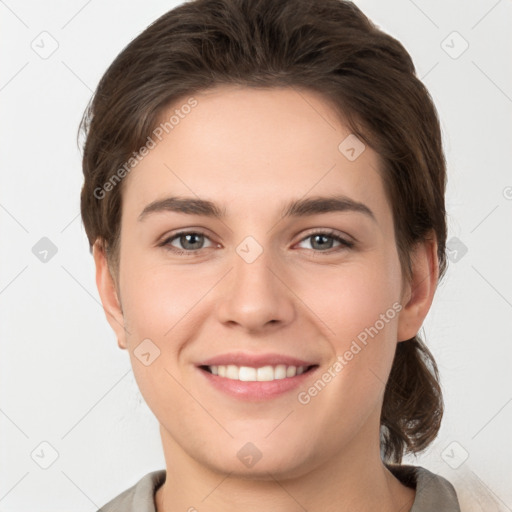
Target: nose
255	296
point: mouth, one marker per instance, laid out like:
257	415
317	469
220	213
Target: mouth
266	373
255	377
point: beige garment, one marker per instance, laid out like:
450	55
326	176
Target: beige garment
433	492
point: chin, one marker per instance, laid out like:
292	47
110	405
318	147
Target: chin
245	460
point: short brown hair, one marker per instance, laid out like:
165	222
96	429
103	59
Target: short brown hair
326	46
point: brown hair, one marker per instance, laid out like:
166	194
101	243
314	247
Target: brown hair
326	46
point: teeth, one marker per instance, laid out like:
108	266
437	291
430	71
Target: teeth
291	371
232	372
262	374
247	374
265	373
280	371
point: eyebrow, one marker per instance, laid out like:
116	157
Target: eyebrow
295	208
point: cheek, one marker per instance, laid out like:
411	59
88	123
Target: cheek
158	304
353	298
359	308
158	298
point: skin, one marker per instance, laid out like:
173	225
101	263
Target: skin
251	151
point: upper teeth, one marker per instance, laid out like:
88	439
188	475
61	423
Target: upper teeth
249	374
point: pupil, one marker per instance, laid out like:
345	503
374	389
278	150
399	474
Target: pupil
185	239
322	246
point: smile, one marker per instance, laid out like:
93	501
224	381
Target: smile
250	374
256	377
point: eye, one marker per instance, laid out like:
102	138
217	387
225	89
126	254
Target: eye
322	241
190	242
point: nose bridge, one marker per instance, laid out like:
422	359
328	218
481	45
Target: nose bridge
254	295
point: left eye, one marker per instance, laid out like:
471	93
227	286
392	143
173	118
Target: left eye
189	240
324	241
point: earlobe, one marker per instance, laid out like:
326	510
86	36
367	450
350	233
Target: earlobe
108	294
420	289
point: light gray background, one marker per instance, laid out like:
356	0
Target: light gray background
63	379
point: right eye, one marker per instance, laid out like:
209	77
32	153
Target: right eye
191	242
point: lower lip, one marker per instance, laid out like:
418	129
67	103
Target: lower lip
256	391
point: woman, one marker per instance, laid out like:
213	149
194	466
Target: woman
264	198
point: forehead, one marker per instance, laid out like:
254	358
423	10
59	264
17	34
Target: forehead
249	147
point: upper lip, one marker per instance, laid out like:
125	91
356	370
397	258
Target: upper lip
254	360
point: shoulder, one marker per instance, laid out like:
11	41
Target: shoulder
465	491
474	494
433	492
139	497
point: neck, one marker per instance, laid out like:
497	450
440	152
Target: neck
354	480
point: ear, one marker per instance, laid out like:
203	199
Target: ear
108	294
419	291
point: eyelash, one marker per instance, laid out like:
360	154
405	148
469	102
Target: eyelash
345	244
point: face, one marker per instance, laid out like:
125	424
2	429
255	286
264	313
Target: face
261	337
